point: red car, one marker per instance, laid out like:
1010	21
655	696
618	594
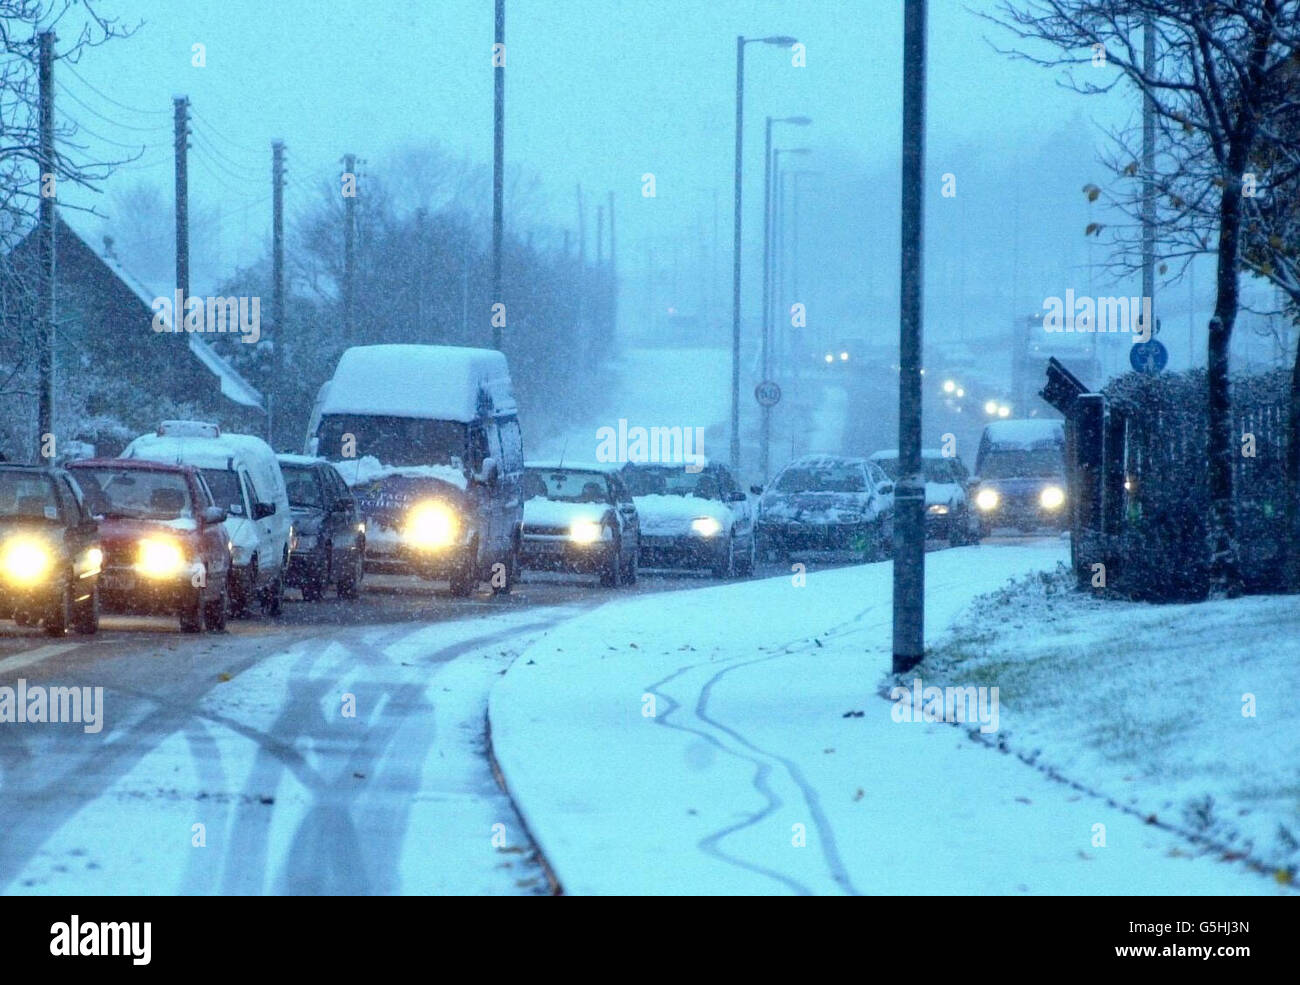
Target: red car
164	540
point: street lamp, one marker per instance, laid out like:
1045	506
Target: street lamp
741	41
797	121
778	247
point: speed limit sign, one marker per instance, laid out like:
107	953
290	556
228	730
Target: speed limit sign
768	393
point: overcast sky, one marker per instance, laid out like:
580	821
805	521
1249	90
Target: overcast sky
604	92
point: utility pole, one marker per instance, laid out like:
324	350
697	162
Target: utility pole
735	256
181	105
498	157
582	272
45	338
767	293
909	491
349	243
600	236
1148	175
613	274
280	339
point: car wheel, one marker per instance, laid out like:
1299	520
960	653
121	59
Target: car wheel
193	614
240	586
313	588
464	579
85	614
611	574
875	548
747	560
272	598
512	572
631	568
349	580
60	615
727	569
216	611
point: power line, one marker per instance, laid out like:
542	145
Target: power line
124	126
216	132
116	143
212	149
66	66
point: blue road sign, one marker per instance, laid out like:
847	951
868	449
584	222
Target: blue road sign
1148	357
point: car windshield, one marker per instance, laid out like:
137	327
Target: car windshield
673	482
564	486
392	440
136	493
24	496
225	489
1022	463
827	478
303	488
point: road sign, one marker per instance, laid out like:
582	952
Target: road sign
768	393
1148	357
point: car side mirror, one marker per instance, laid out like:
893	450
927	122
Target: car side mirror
735	497
344	505
756	490
489	472
885	488
262	510
213	514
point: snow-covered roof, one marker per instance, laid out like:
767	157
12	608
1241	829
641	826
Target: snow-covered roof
576	466
202	452
1025	432
287	459
233	386
893	453
434	382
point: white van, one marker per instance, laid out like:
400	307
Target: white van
245	479
427	437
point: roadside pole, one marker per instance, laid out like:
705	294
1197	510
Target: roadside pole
909	491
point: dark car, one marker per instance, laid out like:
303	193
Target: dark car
693	517
50	554
328	542
1021	476
166	549
948	512
580	518
828	503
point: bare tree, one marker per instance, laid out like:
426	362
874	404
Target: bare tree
1219	94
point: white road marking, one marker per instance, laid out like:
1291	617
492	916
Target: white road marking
35	656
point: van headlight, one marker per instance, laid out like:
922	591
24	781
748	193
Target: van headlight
26	562
1051	498
706	526
159	558
987	499
937	509
587	531
431	525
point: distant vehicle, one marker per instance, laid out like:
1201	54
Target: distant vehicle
245	480
845	354
693	518
50	555
428	439
948	512
165	548
580	518
1020	470
328	542
827	503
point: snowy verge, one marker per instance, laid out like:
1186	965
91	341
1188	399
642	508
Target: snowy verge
731	740
1184	714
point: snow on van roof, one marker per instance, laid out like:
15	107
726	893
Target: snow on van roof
435	382
553	465
1025	432
204	452
889	453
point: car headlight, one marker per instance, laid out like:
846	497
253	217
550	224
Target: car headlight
706	526
159	558
987	499
431	525
587	532
91	563
26	562
937	509
1052	497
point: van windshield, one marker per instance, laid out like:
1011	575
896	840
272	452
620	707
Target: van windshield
1022	463
392	440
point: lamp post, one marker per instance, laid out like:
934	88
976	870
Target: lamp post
741	41
798	121
778	250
